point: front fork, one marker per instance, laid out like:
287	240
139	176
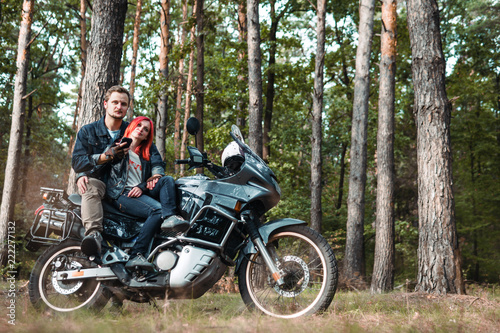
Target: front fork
261	247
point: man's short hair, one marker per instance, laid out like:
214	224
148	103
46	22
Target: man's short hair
118	89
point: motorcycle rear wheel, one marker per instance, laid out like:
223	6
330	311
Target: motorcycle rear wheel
308	266
65	296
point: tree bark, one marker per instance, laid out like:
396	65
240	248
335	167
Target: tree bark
133	65
439	259
16	129
200	73
83	60
242	38
383	268
161	116
317	128
353	261
104	55
180	80
254	78
342	176
189	92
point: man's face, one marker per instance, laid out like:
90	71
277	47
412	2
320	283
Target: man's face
117	105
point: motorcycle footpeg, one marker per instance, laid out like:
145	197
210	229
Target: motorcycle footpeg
95	259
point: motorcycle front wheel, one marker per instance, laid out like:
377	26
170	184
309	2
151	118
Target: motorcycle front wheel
65	296
308	267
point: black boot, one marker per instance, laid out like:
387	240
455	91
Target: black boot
91	244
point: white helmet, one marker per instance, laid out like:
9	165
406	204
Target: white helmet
232	156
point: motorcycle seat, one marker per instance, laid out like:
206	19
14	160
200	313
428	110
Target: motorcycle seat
107	206
116	224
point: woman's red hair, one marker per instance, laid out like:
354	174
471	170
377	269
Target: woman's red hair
144	147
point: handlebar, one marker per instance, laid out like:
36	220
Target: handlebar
182	161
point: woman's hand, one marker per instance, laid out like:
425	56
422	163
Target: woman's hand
151	182
135	192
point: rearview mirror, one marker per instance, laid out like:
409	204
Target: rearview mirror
193	126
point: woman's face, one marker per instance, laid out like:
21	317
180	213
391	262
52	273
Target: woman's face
141	132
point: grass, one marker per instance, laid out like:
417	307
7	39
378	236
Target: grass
479	311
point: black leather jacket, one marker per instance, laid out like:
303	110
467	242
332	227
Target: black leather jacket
119	173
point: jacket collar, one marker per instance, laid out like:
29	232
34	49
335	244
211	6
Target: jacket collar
102	130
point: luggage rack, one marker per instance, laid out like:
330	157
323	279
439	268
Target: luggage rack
52	225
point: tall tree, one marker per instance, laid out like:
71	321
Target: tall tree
177	132
242	39
200	71
383	267
104	55
161	115
135	49
17	125
189	92
271	75
83	66
317	128
254	78
439	259
353	262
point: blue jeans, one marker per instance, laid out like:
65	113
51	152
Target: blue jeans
154	206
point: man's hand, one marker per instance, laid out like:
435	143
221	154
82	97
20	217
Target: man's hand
135	192
117	152
81	183
151	182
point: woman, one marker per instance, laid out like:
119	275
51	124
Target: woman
139	188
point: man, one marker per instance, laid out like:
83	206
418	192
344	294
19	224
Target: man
93	151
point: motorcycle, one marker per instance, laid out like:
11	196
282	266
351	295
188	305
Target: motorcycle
284	268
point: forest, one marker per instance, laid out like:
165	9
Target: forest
161	64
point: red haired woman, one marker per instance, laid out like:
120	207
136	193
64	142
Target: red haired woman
141	189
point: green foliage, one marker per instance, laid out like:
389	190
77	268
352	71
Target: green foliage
470	38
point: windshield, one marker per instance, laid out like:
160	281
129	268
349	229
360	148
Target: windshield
238	138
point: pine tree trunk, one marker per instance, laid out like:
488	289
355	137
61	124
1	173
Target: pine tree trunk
317	131
353	261
347	82
200	73
16	129
180	80
161	116
268	110
83	59
104	55
439	259
133	65
342	176
189	92
383	268
254	78
242	38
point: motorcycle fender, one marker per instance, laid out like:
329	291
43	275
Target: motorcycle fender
265	231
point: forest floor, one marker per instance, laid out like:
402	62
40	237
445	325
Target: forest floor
350	311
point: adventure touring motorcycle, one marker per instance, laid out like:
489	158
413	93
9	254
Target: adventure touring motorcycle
285	269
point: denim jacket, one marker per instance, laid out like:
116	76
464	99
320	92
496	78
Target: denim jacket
91	141
118	174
